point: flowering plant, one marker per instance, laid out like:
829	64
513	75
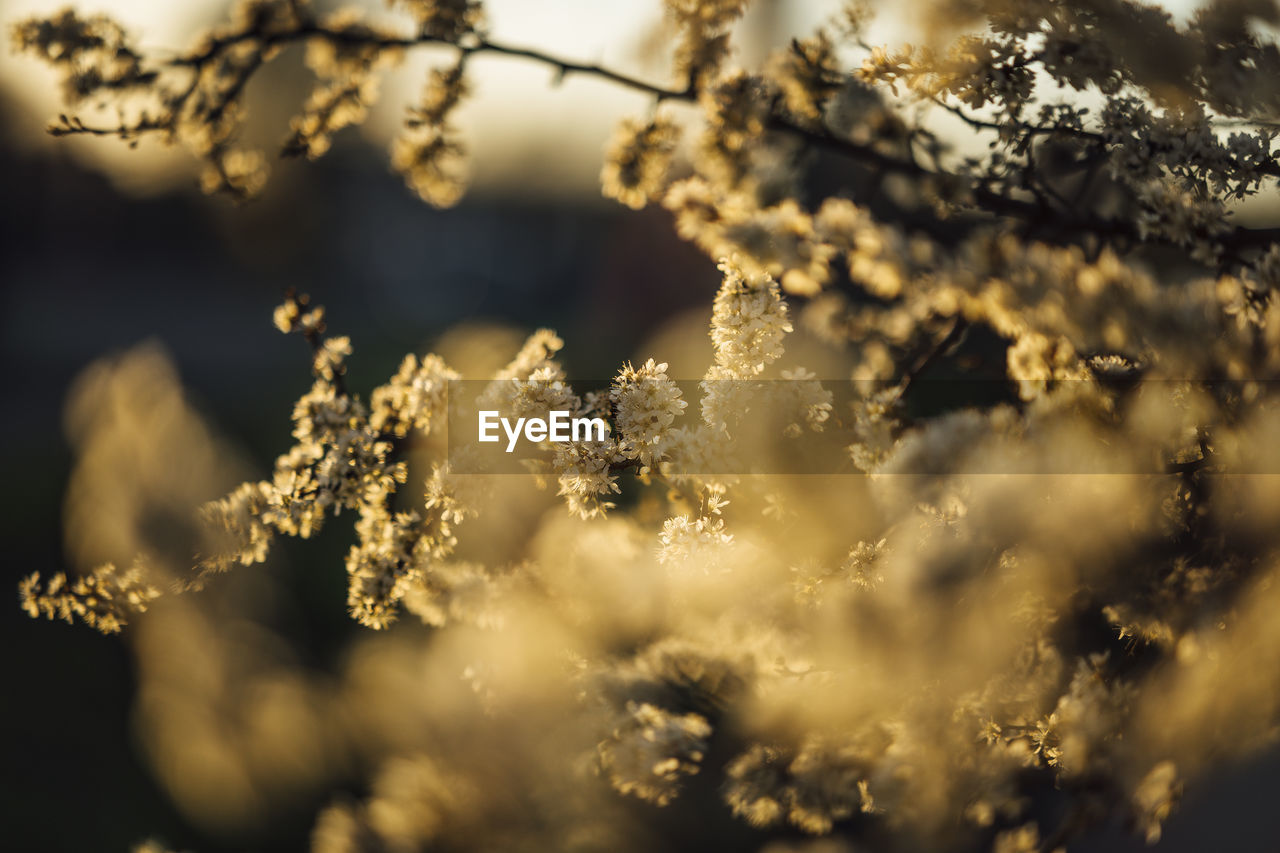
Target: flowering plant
995	624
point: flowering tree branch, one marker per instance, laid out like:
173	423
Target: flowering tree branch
261	35
915	654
